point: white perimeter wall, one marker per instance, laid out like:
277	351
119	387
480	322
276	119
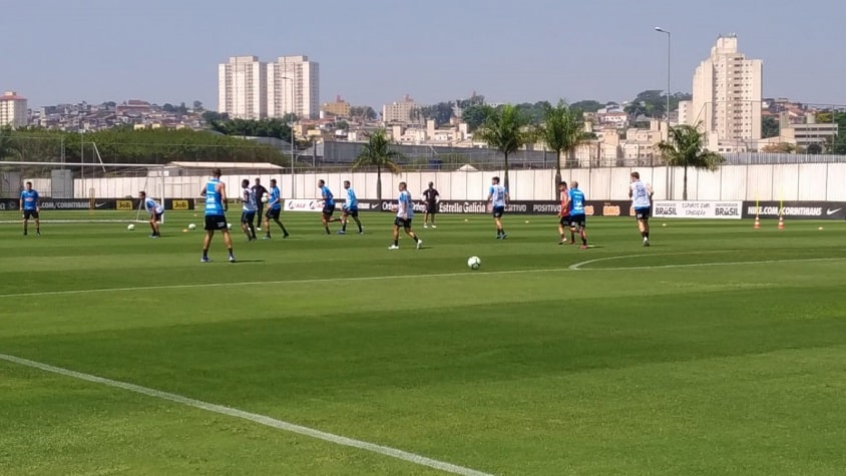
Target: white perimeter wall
812	182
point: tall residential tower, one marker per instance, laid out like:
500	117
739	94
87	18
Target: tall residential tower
242	88
251	89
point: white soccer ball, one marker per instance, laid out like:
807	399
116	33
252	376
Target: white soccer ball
130	227
229	226
264	198
474	262
192	226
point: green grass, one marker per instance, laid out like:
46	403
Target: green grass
719	350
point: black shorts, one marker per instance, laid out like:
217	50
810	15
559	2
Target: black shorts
157	217
431	208
643	213
403	223
328	210
353	212
273	213
565	221
216	222
30	214
577	221
498	211
248	217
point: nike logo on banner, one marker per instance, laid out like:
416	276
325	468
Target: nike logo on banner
832	212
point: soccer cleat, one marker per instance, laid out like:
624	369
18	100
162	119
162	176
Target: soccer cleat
286	235
258	228
645	242
204	259
231	259
37	233
504	236
360	232
342	232
425	226
266	237
584	247
393	247
419	244
433	226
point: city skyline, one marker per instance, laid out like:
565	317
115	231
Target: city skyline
471	48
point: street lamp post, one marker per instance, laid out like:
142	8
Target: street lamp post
667	123
291	128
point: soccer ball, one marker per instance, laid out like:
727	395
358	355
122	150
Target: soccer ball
264	198
229	226
130	227
474	262
192	226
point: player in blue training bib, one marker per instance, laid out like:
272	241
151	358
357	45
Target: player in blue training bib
155	210
30	208
577	213
215	195
328	206
498	197
350	209
274	209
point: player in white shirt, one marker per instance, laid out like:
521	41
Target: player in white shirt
641	195
405	213
156	211
249	209
498	196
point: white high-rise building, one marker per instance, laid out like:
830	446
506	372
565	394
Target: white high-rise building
242	88
13	110
727	92
293	86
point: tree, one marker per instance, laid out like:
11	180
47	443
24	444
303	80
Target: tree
363	113
814	149
507	130
770	127
213	116
441	112
781	148
653	103
8	147
290	118
475	115
686	148
198	106
588	105
377	153
342	126
562	130
168	107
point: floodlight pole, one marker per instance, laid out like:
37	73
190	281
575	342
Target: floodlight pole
669	70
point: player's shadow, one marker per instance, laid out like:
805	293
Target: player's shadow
249	261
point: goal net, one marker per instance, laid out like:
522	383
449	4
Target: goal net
80	193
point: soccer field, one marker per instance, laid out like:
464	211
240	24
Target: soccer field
719	350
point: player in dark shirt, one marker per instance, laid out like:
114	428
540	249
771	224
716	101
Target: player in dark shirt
431	197
260	192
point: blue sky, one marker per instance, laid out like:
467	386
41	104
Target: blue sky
375	51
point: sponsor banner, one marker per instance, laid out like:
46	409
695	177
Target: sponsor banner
697	209
178	204
615	208
300	205
95	204
793	210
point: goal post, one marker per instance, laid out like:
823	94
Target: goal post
81	193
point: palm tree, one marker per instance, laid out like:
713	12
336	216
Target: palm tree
505	129
377	153
686	148
562	131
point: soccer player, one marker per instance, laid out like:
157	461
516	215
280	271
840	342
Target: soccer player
274	208
564	214
156	211
577	213
431	197
498	196
328	206
216	208
350	210
30	208
260	192
249	208
641	195
405	213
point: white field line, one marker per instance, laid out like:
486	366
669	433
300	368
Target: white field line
574	267
253	417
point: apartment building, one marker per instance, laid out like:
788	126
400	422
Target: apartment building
339	108
242	88
293	86
399	112
251	89
727	94
13	110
